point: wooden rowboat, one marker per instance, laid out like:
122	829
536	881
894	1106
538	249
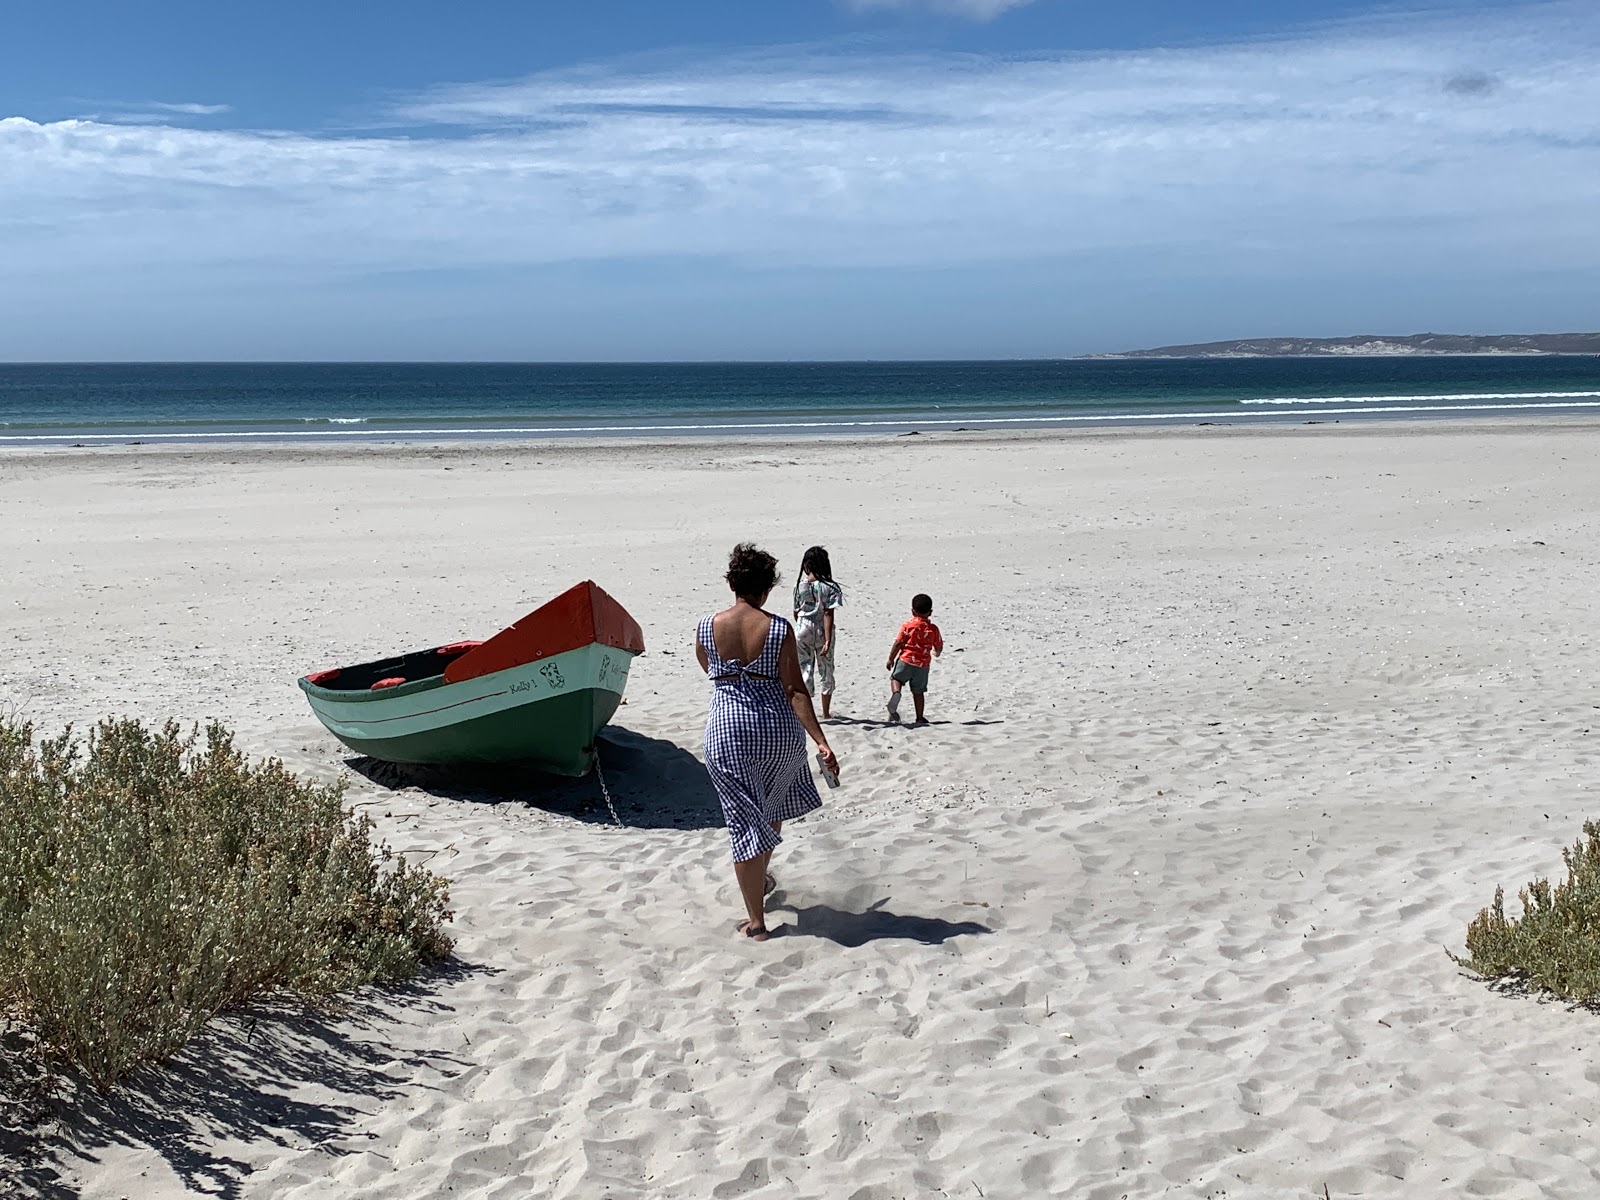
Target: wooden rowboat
535	693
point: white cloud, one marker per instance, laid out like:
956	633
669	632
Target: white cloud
194	110
151	112
978	10
1311	152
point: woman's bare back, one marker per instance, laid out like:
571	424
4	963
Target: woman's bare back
740	633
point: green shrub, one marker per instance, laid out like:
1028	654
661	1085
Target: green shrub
1555	945
148	881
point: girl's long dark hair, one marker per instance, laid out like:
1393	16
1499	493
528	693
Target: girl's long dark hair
815	560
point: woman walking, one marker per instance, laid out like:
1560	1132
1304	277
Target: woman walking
755	732
816	595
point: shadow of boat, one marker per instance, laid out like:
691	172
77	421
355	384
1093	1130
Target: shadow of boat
654	783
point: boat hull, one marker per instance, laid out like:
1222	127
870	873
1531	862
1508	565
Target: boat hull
555	736
544	714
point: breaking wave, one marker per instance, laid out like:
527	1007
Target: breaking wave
1447	396
824	427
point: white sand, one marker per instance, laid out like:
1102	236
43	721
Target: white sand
1238	729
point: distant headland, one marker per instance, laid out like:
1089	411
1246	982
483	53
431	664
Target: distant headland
1379	345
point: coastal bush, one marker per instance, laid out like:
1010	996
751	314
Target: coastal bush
149	880
1554	946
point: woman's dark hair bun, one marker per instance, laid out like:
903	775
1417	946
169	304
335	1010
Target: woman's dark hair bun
751	572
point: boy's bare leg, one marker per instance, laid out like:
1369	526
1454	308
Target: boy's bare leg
827	705
917	699
894	700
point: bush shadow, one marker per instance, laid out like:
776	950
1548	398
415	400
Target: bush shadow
273	1073
654	784
875	923
26	1093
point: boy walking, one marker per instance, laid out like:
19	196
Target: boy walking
913	652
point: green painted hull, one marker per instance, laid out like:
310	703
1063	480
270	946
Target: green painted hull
544	713
555	735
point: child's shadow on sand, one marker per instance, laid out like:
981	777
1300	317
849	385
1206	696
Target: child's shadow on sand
875	924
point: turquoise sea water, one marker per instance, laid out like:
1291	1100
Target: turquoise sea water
108	402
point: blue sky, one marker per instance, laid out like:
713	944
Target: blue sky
788	178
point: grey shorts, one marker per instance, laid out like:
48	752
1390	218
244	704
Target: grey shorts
915	678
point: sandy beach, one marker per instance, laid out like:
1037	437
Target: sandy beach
1236	730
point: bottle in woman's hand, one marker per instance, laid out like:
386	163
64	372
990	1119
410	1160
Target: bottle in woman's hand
830	776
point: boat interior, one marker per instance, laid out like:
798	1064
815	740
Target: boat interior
392	672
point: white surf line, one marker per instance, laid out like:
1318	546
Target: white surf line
910	421
1414	399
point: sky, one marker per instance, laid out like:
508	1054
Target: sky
788	179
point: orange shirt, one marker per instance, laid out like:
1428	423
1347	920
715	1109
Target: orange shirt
921	638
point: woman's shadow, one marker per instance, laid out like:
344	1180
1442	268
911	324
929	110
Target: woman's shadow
651	784
874	923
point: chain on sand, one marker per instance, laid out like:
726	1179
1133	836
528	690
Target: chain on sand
604	790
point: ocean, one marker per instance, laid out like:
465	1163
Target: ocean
43	404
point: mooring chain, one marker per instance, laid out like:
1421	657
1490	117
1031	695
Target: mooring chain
604	790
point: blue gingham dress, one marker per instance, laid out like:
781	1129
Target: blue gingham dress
755	746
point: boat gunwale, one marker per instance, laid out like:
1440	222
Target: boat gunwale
410	687
413	687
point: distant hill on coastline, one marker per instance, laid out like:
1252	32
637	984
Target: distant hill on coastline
1375	344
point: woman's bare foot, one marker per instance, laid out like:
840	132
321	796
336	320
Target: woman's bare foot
749	929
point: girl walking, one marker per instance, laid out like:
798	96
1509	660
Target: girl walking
816	595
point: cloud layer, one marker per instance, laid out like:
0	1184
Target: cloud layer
192	109
977	10
1401	142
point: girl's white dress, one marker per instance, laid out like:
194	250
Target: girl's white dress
812	599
